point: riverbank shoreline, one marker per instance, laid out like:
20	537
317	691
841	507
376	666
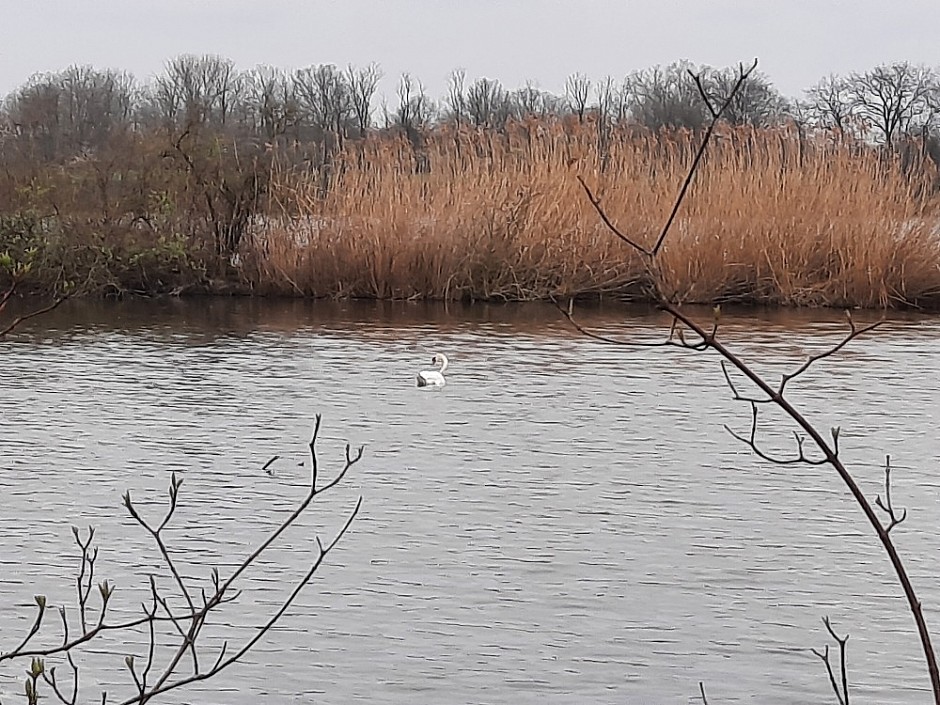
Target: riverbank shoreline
34	298
771	219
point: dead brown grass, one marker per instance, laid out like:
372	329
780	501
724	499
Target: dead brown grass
483	215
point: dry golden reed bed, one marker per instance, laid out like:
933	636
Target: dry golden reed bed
483	215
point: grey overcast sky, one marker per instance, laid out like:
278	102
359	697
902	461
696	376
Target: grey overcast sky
797	41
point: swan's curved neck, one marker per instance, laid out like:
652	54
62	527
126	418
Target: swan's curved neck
443	363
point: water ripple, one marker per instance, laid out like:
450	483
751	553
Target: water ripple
566	521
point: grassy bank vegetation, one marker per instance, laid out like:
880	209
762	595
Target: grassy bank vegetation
262	182
771	219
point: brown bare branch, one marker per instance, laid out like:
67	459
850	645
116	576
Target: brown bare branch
830	452
706	138
595	201
886	505
187	623
831	457
854	332
223	663
751	442
841	691
568	313
6	330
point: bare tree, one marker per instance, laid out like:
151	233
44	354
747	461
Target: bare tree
609	101
362	85
95	104
488	104
456	98
34	114
325	98
271	101
196	90
75	112
176	621
553	105
756	103
665	97
529	101
831	104
415	110
577	93
893	98
609	110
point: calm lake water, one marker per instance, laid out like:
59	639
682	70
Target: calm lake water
565	522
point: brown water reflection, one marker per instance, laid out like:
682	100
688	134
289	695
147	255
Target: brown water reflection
233	316
565	522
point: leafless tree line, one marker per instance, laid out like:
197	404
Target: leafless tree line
81	108
151	187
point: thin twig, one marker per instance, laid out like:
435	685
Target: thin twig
196	624
569	314
164	686
842	693
716	116
854	332
187	623
886	506
596	202
32	314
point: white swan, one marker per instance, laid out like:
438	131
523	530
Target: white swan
434	378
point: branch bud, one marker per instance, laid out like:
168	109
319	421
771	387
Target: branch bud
105	589
36	667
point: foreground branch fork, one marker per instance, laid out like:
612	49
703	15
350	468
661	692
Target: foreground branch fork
148	676
716	110
706	338
840	686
